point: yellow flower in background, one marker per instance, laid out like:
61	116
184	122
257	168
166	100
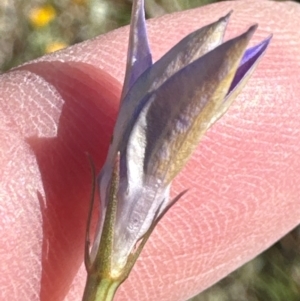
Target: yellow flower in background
54	46
42	16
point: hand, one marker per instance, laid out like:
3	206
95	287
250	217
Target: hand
243	179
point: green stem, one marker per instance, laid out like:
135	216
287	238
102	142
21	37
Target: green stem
99	289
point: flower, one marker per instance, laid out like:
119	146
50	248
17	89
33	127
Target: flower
55	46
165	109
42	16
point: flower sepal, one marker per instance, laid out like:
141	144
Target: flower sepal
103	281
100	284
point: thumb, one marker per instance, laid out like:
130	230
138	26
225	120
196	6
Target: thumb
243	176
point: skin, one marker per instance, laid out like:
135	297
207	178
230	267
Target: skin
243	178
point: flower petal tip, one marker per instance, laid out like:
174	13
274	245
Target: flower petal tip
251	30
139	56
226	17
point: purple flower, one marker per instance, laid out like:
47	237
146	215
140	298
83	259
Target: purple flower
166	107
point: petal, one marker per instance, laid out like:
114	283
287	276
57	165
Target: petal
135	219
139	202
183	53
182	109
172	120
247	66
249	61
139	56
186	51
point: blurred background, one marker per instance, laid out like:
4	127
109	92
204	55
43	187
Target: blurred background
31	28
